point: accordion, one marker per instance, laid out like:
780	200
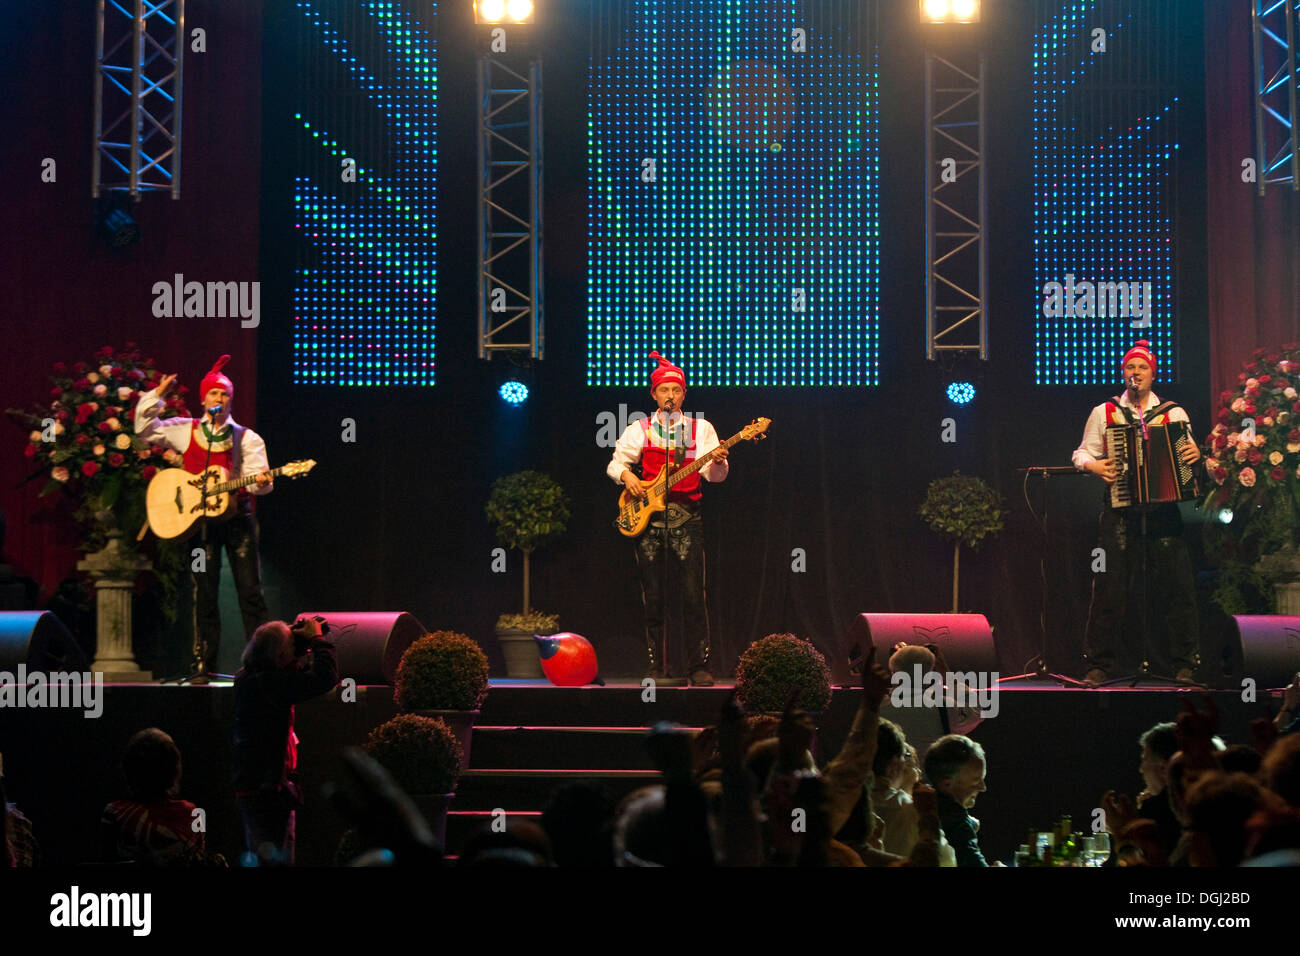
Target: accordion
1150	468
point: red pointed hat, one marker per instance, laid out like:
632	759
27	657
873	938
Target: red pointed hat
215	379
666	372
1141	349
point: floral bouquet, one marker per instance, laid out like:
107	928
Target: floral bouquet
1253	459
84	444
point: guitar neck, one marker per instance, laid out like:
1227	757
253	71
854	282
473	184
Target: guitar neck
688	470
236	483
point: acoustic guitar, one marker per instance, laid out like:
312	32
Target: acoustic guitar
175	498
634	513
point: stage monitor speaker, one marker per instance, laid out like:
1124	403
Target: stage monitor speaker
966	640
1265	647
371	643
39	640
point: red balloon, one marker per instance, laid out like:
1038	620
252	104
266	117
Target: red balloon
568	660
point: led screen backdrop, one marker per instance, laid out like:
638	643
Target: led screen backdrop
364	200
733	179
1105	141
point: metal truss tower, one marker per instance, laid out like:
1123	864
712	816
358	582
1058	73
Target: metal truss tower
1276	28
139	49
956	288
510	194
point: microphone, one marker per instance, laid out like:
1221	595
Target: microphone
216	410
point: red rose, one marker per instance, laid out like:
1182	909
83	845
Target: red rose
1225	398
116	459
55	392
1272	358
149	472
117	373
89	468
1225	416
1259	353
129	413
158	450
82	384
1265	379
135	375
1277	474
1250	408
1281	383
1271	412
83	439
29	451
63	414
1252	392
1220	442
86	409
1242	378
60	367
1255	456
1220	473
1293	435
106	351
79	368
105	427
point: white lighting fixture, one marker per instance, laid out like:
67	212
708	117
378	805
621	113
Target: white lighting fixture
520	11
489	11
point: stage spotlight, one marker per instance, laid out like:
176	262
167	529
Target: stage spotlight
950	11
514	392
503	11
1225	515
116	225
961	393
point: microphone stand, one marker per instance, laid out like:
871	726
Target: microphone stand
1143	674
199	673
669	467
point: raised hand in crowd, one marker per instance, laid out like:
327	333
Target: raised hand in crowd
1195	732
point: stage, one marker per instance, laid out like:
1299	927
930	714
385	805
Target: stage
1050	751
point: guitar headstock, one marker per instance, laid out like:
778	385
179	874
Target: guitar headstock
296	468
756	431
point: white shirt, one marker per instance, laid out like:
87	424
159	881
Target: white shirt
248	455
633	440
1093	446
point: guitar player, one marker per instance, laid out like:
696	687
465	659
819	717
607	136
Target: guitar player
646	445
1172	640
216	439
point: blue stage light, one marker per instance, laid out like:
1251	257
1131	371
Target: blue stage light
514	392
961	393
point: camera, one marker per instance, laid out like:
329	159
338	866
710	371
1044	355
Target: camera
301	640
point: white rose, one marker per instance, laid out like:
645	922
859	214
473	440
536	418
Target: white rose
1211	463
1283	417
172	457
1275	458
98	450
123	394
1261	440
1289	392
92	377
1293	446
101	389
59	473
1238	404
124	442
58	428
1266	421
1252	382
35	438
1239	455
114	424
106	370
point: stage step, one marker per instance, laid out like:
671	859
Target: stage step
531	703
542	747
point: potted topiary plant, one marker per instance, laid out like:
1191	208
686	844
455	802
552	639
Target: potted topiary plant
424	757
529	510
444	675
965	509
777	666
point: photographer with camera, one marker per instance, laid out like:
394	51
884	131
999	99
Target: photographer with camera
283	665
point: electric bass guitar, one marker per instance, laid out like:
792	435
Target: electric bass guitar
634	513
177	498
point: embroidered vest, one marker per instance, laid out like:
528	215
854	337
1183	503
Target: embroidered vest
655	456
196	453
